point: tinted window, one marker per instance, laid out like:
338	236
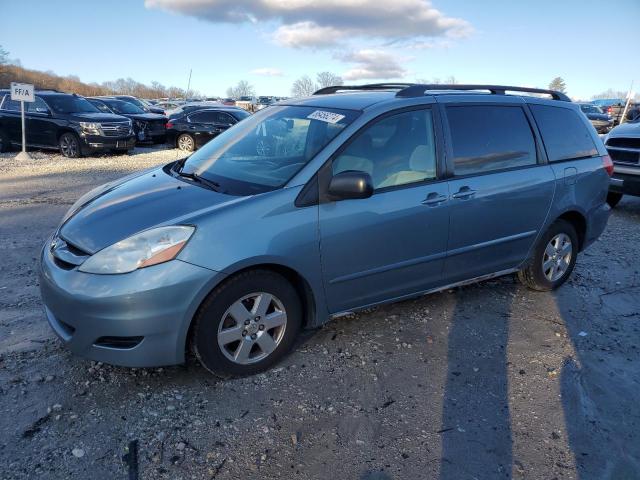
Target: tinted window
204	117
395	150
11	105
487	138
100	106
225	119
70	104
38	106
564	134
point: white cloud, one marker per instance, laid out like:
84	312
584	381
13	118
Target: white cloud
373	64
267	72
326	23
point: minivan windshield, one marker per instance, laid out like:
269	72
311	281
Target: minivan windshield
264	151
70	104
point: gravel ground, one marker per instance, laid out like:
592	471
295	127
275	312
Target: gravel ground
482	382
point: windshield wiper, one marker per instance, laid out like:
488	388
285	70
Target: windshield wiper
215	186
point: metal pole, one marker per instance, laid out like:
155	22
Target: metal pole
24	141
188	84
626	105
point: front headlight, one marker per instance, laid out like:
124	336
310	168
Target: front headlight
91	128
144	249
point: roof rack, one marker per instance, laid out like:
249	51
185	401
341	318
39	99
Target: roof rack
370	86
408	90
418	90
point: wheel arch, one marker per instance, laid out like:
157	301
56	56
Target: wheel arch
579	222
297	280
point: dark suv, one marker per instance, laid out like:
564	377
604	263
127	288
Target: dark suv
148	127
63	121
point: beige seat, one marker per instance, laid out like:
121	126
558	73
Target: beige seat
422	164
351	162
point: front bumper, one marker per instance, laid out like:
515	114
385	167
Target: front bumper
626	180
139	319
93	143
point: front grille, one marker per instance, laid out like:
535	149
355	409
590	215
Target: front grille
624	156
624	142
115	129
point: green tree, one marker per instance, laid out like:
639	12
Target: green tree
558	85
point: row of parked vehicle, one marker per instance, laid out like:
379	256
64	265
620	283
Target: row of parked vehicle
80	126
604	114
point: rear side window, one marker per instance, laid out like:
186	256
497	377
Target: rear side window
488	137
564	134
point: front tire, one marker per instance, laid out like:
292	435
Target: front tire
247	324
69	144
553	259
186	142
613	198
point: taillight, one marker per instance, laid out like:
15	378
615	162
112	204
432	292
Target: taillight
607	164
168	125
609	109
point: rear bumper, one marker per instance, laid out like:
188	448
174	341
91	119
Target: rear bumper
139	319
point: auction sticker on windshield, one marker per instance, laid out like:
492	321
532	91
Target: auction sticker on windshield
324	116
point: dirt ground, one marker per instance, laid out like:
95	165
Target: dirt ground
490	381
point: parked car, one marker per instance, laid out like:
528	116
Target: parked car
265	102
623	144
229	102
64	122
192	129
191	107
612	107
169	105
601	121
148	127
321	206
143	105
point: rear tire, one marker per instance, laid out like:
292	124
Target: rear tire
69	144
553	259
613	198
247	324
186	142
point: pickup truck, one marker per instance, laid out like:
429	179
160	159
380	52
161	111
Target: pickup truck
623	145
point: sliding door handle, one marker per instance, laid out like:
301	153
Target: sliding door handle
434	199
464	193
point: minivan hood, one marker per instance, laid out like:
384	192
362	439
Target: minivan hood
97	117
152	199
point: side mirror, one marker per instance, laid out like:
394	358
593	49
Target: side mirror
351	184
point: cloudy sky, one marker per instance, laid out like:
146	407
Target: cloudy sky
591	43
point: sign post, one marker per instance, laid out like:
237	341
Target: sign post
22	92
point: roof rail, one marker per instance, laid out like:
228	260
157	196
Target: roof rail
418	90
370	86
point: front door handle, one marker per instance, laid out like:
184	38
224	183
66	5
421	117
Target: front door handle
434	199
464	193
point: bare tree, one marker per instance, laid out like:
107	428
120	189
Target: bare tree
242	89
558	85
303	87
328	79
4	56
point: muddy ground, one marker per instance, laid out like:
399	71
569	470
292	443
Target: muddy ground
488	381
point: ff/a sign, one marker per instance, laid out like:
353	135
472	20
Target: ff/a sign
22	92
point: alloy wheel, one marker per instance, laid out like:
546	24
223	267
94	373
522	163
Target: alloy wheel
69	146
185	142
557	257
252	328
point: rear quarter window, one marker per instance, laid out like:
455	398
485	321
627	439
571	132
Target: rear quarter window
486	138
564	134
